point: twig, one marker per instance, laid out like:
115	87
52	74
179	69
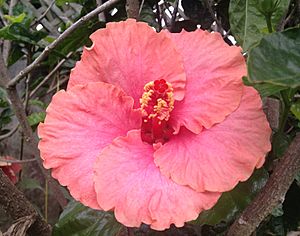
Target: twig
132	8
167	8
166	18
10	133
173	18
60	83
272	194
141	7
17	206
50	75
43	15
18	161
60	39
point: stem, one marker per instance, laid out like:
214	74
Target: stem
46	200
269	23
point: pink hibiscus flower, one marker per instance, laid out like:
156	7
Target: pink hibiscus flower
154	126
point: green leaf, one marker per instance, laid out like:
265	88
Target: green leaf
31	184
280	143
233	202
276	59
264	89
5	116
15	54
19	32
15	19
147	15
248	24
295	109
3	99
36	117
79	220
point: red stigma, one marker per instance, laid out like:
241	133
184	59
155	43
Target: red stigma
160	86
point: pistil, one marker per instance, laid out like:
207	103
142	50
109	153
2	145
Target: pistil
157	102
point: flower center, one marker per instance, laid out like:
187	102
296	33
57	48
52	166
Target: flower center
157	102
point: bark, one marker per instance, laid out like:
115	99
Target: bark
17	206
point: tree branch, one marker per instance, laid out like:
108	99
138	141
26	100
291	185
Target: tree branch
132	8
272	194
17	206
60	39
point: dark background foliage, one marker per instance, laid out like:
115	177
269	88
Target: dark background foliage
268	32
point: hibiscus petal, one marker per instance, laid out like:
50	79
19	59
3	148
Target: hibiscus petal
130	54
127	180
219	157
214	86
78	125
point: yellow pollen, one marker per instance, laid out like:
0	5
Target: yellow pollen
157	104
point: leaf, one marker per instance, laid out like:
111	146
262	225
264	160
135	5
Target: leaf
295	109
15	19
28	183
264	89
3	100
79	220
5	116
233	202
36	117
147	15
280	143
15	54
248	24
275	60
19	32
